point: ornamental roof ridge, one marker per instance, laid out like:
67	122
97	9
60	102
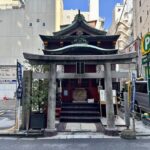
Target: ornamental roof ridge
79	21
79	17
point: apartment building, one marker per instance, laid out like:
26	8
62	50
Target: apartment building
122	24
141	18
91	15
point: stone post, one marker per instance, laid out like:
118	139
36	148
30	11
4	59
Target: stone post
51	100
27	90
109	98
127	111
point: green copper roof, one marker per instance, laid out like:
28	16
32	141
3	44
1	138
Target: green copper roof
80	49
79	22
87	37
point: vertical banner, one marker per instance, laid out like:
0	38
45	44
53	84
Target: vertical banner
19	93
133	92
19	81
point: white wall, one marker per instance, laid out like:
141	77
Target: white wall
17	36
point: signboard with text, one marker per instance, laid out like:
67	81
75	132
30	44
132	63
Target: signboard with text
7	73
103	96
19	79
146	72
145	44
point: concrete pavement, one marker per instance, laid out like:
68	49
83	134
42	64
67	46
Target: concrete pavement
70	130
7	104
73	144
7	116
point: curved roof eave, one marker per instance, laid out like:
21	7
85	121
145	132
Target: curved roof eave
73	46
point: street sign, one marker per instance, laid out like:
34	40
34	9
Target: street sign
146	72
145	44
144	60
133	92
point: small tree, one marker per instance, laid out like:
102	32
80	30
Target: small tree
39	96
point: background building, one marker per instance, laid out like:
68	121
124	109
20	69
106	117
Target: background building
122	24
141	26
91	15
20	29
141	17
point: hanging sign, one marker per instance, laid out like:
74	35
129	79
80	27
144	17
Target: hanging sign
133	92
145	44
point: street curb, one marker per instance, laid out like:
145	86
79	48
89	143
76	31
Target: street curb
22	135
42	135
142	134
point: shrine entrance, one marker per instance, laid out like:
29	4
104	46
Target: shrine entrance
80	49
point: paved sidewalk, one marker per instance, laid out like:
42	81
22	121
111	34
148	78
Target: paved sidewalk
7	116
78	135
7	104
81	127
81	130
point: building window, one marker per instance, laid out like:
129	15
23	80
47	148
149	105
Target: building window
30	24
37	20
147	12
140	3
140	19
43	24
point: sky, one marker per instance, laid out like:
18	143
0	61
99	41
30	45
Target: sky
106	8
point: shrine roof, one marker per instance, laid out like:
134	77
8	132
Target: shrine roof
80	49
87	37
79	21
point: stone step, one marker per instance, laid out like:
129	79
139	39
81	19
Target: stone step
80	113
81	108
81	104
80	119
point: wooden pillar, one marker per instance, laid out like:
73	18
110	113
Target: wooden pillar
109	98
51	99
27	90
